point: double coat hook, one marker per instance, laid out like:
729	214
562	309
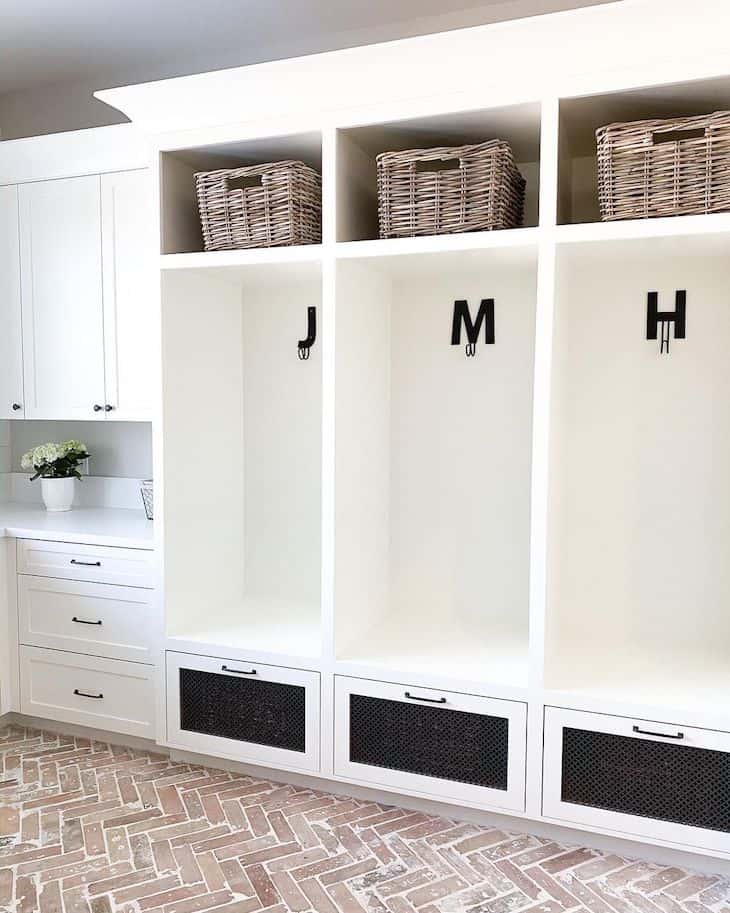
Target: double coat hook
304	345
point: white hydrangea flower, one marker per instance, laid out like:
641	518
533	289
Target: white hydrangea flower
26	461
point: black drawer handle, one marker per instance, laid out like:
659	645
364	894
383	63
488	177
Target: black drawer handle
429	700
660	735
80	621
238	671
86	563
97	697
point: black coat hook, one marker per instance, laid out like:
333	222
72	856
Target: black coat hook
462	315
304	345
655	317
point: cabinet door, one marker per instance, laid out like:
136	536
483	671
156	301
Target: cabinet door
11	343
63	326
243	711
654	780
130	327
441	744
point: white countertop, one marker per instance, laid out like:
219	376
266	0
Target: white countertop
91	525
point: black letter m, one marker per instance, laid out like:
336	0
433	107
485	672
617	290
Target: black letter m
485	316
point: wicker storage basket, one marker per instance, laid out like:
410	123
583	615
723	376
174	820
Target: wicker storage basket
664	167
419	194
260	206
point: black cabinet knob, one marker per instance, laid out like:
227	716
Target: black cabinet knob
17	407
108	408
97	407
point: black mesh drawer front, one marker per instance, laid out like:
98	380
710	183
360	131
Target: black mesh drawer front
670	782
432	741
245	709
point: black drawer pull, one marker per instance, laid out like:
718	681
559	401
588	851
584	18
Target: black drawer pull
238	671
430	700
659	735
80	621
97	697
86	563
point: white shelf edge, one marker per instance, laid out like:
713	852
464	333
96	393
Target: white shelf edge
257	256
640	229
433	244
615	703
198	647
398	673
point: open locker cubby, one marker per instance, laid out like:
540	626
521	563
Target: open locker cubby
433	455
358	148
180	218
638	577
242	458
580	117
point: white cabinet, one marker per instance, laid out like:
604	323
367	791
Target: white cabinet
440	744
101	693
640	778
94	618
129	330
11	357
63	326
244	711
85	275
95	563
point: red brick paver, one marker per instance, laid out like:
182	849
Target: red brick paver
95	828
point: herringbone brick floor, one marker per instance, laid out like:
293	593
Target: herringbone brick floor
86	827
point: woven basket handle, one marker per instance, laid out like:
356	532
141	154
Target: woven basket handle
678	134
243	182
452	164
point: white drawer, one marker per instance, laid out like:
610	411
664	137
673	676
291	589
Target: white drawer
441	744
123	566
101	693
95	618
243	711
659	781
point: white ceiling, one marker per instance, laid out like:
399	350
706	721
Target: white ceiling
46	42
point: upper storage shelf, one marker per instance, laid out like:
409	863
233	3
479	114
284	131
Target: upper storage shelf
581	117
358	147
180	218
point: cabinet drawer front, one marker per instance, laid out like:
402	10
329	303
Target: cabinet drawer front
438	743
96	618
658	780
102	693
124	566
246	711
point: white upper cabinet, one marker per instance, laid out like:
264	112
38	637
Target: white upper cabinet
85	273
63	326
11	358
129	330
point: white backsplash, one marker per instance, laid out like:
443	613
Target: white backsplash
92	491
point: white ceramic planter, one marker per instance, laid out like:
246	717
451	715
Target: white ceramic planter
58	494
